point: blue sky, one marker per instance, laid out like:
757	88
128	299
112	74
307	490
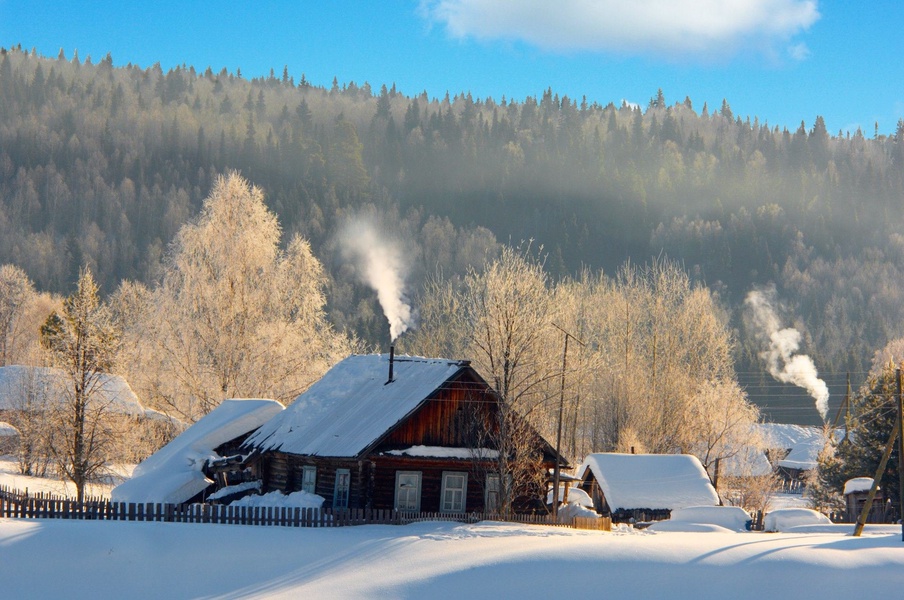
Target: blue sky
781	60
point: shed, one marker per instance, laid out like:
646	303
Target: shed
393	432
645	486
856	491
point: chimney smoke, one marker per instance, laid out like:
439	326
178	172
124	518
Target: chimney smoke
382	265
780	350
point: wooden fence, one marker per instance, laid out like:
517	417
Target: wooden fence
22	505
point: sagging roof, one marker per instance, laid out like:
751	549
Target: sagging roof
174	474
353	406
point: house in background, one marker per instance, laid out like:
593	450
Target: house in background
385	432
645	486
793	450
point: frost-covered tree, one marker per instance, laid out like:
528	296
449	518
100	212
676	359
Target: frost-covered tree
81	341
16	294
499	317
653	372
235	315
873	414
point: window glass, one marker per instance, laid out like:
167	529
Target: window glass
492	499
408	491
340	495
454	490
309	479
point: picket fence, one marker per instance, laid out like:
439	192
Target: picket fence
15	504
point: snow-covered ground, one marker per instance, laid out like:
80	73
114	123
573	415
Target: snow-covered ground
10	477
91	559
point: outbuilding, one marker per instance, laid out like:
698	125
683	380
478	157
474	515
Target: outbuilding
639	487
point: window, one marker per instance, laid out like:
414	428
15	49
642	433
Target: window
454	490
408	491
491	502
340	493
309	479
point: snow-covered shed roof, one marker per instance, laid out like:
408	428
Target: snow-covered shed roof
651	481
51	385
858	484
7	430
173	474
353	406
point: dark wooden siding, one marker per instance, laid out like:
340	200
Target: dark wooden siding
447	419
384	474
283	472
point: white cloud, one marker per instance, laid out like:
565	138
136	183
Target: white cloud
799	51
661	27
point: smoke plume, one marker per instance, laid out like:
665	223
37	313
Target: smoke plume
781	346
380	264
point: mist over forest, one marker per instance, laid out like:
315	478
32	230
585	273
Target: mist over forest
100	165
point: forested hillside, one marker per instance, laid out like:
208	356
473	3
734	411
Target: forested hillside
100	165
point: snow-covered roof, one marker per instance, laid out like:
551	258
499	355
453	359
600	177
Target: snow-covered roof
7	430
652	481
173	475
804	442
352	406
858	484
749	462
51	385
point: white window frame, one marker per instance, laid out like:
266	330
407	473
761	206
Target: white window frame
309	479
341	494
453	506
416	491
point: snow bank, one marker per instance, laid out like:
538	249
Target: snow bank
569	511
858	484
575	496
229	490
299	499
651	481
784	519
732	518
686	527
172	475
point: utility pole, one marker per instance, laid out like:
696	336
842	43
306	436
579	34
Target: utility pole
555	479
900	452
867	506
